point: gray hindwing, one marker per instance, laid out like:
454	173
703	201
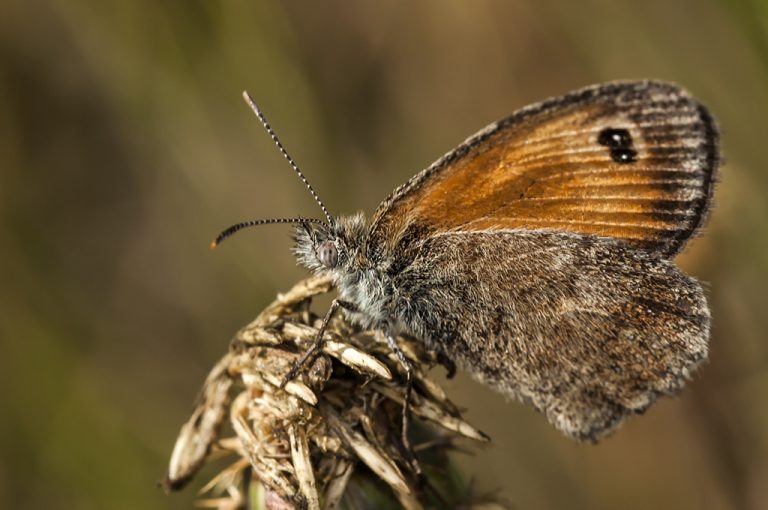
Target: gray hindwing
586	329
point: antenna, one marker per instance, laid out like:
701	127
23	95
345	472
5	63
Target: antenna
239	226
257	111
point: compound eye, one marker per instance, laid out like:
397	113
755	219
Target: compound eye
328	254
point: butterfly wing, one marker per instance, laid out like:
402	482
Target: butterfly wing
630	160
587	329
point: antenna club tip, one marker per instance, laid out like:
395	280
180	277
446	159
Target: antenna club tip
249	100
213	244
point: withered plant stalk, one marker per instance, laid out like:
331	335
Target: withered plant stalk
307	445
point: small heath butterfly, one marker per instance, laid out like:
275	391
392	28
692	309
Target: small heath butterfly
537	255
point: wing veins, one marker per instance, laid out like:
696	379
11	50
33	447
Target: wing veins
693	173
578	132
684	185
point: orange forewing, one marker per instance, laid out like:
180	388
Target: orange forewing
549	167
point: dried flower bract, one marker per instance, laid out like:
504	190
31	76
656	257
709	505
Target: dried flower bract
303	446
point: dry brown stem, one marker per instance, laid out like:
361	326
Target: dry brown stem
304	443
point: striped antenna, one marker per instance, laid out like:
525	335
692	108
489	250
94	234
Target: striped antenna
239	226
257	111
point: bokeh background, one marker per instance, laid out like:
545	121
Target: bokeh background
125	146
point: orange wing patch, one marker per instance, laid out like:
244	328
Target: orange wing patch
633	161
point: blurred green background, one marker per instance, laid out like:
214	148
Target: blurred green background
125	146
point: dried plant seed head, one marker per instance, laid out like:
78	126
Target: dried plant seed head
299	445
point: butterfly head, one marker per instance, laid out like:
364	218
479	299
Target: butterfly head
329	247
324	247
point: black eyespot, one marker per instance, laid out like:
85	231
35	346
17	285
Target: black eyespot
624	155
615	138
327	254
619	143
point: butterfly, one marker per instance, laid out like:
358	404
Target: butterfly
537	255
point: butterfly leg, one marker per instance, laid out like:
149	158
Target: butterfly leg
447	363
310	353
408	367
